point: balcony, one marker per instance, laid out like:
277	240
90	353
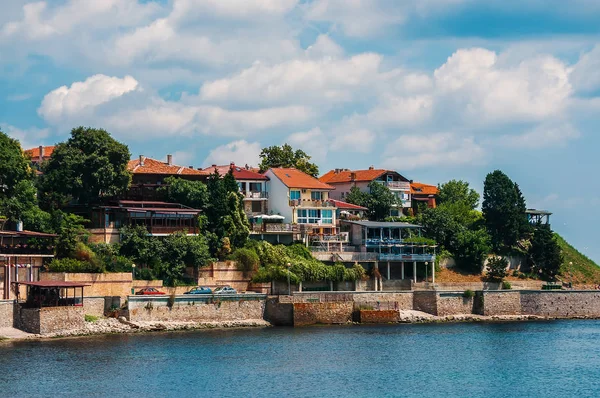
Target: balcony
275	228
311	203
255	194
396	185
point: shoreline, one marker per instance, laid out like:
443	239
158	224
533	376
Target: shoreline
112	326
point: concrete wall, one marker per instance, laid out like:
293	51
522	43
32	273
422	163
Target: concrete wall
112	284
6	313
561	304
323	313
196	308
50	319
279	197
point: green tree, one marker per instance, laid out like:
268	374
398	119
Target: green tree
471	249
71	231
380	201
286	156
441	225
545	254
357	197
14	166
189	193
457	191
497	269
503	210
87	168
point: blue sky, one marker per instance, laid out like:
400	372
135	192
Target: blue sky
436	89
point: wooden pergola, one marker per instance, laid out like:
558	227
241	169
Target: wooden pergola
51	294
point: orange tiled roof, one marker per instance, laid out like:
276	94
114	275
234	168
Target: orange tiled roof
240	173
153	166
345	205
342	176
34	153
294	178
417	188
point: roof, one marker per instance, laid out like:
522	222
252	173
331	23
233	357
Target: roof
417	188
339	176
27	234
240	173
294	178
52	284
346	206
382	224
34	153
538	212
153	166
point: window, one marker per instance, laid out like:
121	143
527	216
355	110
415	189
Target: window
316	195
301	213
327	216
255	187
294	195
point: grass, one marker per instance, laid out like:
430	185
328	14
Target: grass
90	318
584	270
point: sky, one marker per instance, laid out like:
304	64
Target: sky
435	89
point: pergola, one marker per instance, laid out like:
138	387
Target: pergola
51	294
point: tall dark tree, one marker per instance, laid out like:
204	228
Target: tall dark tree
544	253
503	210
286	156
14	166
89	167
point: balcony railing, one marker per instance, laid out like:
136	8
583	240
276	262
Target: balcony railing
311	203
404	186
275	227
255	194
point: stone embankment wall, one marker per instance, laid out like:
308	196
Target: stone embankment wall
49	319
561	304
329	313
6	313
196	309
453	303
382	316
501	302
112	284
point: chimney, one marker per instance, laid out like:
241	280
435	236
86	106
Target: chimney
352	176
371	167
247	167
41	157
191	167
170	160
337	171
214	166
142	160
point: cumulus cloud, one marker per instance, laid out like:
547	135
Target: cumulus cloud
240	152
313	142
542	136
30	137
409	152
586	72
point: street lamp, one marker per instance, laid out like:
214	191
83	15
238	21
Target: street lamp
570	274
426	266
288	275
133	270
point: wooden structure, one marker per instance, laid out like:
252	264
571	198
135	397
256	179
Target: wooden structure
51	294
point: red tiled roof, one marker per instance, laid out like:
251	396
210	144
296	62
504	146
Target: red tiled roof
417	188
345	205
153	166
240	173
34	153
342	176
294	178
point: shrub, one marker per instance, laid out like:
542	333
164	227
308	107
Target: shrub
497	268
90	318
468	293
506	285
73	265
247	260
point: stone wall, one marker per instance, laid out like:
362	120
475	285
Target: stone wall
279	314
323	313
196	308
224	273
6	313
111	284
94	306
453	303
50	319
425	301
383	316
462	286
560	303
504	302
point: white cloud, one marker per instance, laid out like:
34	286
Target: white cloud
29	138
241	152
324	47
586	72
95	90
409	152
246	10
313	142
542	136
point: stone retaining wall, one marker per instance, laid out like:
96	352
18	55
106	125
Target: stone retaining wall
323	313
49	319
425	301
196	309
560	303
111	284
6	313
453	304
383	316
503	302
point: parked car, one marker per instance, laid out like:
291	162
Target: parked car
200	290
225	290
148	291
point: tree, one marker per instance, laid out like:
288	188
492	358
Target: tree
86	169
503	210
71	231
497	268
440	224
457	191
380	201
357	197
471	249
189	193
544	253
285	156
14	167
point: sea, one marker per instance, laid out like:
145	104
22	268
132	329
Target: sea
508	359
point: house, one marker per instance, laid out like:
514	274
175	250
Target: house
39	155
301	200
253	187
159	218
423	193
347	210
149	174
342	180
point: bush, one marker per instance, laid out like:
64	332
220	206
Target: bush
497	268
506	285
73	265
90	318
468	293
247	260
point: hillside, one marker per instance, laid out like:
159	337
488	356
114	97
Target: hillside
584	270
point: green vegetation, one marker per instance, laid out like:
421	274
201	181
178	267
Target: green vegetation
468	293
90	318
379	200
497	269
285	156
582	270
544	253
506	285
247	260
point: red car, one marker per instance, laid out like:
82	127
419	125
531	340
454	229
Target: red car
148	291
